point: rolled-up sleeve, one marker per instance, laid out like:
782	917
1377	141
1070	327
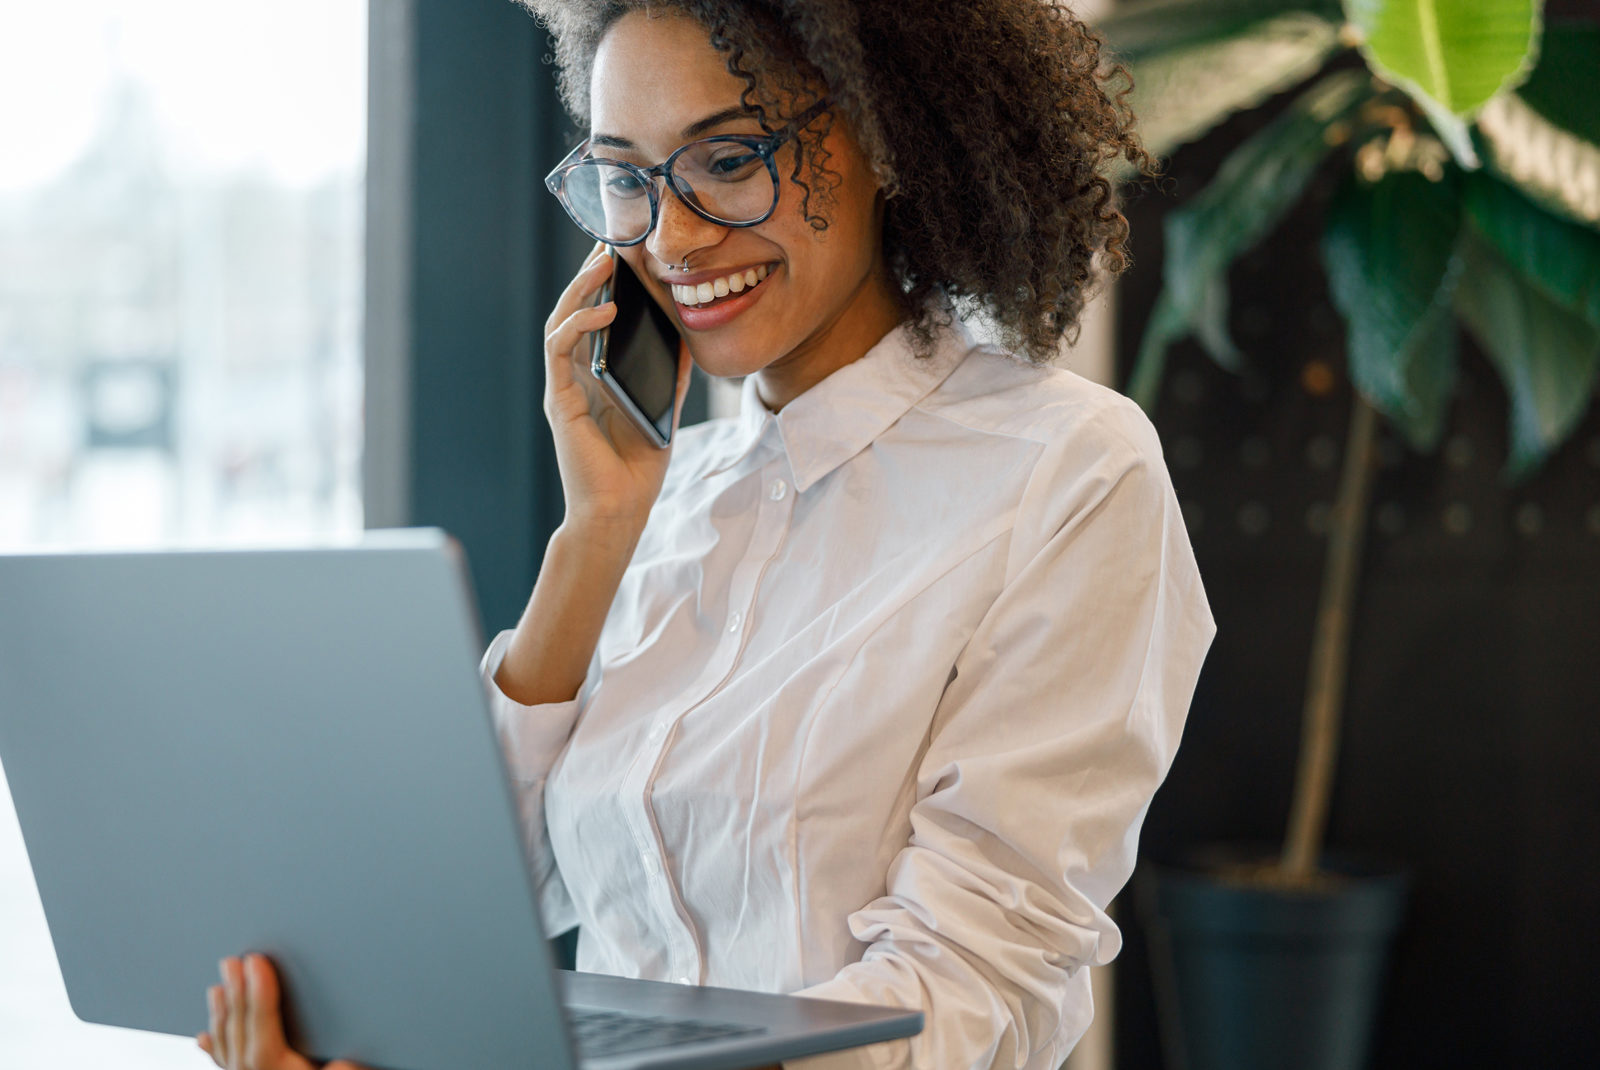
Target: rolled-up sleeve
1062	719
531	739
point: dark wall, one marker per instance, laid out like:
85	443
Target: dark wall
464	260
467	254
1472	741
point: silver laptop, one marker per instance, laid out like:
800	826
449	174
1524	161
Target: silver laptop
289	751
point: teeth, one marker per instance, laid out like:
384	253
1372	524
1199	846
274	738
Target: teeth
707	291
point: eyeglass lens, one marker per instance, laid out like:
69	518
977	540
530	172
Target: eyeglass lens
725	180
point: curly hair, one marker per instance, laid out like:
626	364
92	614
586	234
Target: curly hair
990	124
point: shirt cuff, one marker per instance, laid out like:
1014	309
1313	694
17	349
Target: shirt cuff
531	736
884	1055
879	1056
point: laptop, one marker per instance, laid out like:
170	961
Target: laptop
290	752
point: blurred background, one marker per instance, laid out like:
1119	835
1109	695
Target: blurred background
277	273
182	189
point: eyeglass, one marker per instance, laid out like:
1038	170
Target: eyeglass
730	180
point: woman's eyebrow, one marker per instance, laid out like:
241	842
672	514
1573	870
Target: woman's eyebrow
690	132
716	119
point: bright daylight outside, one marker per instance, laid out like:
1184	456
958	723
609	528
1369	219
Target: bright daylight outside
181	198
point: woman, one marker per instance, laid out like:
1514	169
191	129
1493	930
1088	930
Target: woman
864	693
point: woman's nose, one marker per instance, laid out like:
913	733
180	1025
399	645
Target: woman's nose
679	231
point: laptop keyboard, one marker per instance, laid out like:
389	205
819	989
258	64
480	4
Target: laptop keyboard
601	1032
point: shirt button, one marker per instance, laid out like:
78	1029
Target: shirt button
777	490
685	981
649	861
734	620
656	732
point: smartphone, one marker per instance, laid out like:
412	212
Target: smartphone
635	357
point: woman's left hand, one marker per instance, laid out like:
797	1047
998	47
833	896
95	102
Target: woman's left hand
246	1024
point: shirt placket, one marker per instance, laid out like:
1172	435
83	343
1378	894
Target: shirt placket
685	955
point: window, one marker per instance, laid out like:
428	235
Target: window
181	205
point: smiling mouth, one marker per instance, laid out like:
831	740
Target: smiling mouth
707	294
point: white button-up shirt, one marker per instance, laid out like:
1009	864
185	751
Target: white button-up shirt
880	704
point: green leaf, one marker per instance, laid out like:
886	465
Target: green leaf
1388	250
1253	189
1546	356
1453	131
1255	186
1137	29
1561	258
1454	54
1211	326
1181	93
1562	85
1165	326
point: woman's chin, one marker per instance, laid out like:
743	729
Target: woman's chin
727	359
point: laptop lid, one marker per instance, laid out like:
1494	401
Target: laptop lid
324	707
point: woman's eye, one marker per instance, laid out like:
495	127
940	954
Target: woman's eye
734	165
623	184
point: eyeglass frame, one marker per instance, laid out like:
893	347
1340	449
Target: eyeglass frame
764	145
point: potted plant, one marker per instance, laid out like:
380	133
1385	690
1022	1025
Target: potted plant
1468	137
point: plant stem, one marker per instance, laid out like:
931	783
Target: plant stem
1330	651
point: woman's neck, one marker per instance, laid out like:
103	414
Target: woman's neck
872	312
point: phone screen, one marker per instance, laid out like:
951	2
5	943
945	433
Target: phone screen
637	356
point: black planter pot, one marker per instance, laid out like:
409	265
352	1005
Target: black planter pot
1249	978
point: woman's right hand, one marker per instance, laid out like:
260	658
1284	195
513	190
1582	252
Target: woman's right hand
610	473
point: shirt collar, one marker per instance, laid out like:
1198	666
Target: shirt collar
846	412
